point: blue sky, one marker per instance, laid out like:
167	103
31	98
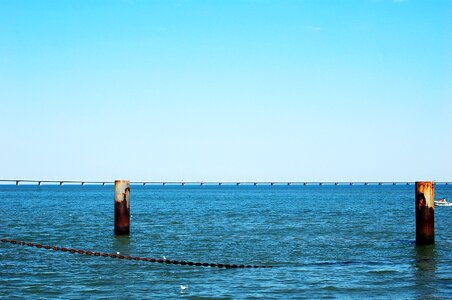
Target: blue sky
226	90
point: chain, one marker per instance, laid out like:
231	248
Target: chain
127	257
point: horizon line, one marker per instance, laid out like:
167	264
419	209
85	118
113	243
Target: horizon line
210	182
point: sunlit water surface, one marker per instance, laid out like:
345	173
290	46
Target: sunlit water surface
323	241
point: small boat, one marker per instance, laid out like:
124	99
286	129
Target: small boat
442	202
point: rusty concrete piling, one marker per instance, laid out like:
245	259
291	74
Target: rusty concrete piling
122	207
425	209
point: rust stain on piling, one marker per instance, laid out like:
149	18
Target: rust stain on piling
425	217
122	207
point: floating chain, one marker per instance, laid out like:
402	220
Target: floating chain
136	258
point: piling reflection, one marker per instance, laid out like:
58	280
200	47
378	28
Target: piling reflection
121	244
425	259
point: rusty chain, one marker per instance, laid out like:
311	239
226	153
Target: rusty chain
128	257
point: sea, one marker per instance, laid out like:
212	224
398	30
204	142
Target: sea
324	241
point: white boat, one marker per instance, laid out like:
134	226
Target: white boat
442	202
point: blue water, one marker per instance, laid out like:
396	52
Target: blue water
323	241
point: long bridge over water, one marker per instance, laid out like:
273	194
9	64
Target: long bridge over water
210	183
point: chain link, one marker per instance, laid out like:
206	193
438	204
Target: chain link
127	257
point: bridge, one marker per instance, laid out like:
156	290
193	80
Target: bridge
210	183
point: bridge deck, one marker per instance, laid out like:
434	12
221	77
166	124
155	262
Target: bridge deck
220	183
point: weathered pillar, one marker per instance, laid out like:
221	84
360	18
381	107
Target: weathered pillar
122	207
425	208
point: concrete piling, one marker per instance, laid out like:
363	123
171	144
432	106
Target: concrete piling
425	209
122	207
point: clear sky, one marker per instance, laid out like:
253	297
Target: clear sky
226	90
